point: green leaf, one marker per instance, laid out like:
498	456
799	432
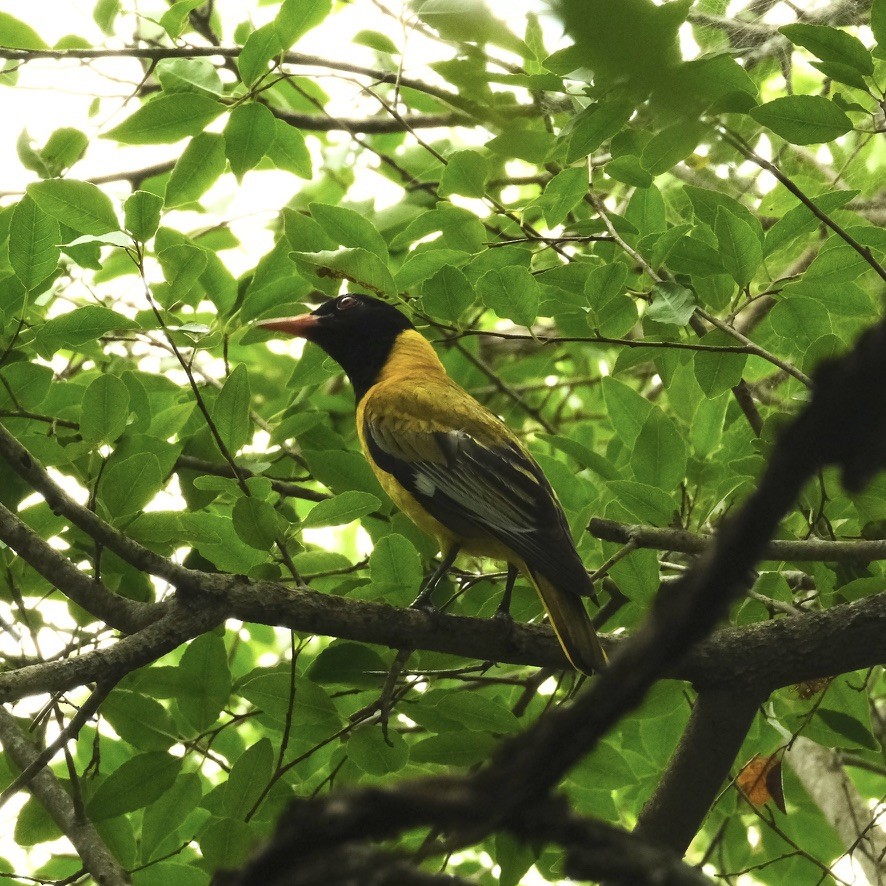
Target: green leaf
205	680
692	255
369	751
377	41
646	211
512	292
104	410
479	713
226	843
166	814
448	294
79	327
297	17
523	142
349	228
341	509
79	205
255	521
673	144
801	220
260	47
467	20
659	455
15	34
248	135
394	565
453	749
718	371
137	783
604	283
842	74
594	125
562	194
162	873
671	303
348	664
803	119
706	429
182	264
848	727
465	173
197	169
288	150
341	470
878	21
63	149
29	381
139	720
273	693
831	45
800	320
420	265
129	484
33	243
141	214
196	75
365	269
626	409
174	19
645	503
628	169
231	411
248	777
740	249
167	119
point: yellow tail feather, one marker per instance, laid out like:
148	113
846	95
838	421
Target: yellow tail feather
570	621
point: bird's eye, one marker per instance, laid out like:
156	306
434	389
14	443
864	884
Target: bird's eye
346	302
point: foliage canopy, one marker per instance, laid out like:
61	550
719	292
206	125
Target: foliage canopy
636	253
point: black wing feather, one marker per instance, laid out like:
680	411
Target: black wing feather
477	490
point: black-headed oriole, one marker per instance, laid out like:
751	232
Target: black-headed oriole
449	464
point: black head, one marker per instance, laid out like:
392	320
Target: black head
357	331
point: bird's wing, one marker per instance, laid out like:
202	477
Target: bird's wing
478	485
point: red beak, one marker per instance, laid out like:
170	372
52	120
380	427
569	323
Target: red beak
300	326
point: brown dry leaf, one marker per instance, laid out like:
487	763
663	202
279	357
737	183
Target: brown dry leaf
811	688
760	781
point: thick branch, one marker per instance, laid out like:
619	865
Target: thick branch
96	856
757	658
821	773
715	732
180	624
458	806
33	473
811	549
118	612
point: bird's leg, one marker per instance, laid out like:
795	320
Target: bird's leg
504	608
423	600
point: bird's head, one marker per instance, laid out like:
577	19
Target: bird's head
357	331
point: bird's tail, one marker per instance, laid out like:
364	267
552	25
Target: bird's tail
571	623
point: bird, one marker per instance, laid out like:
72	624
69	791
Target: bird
451	465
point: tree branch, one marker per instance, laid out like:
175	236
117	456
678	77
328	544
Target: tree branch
809	550
716	729
84	590
96	856
822	775
33	473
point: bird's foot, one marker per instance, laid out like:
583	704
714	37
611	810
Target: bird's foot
424	602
